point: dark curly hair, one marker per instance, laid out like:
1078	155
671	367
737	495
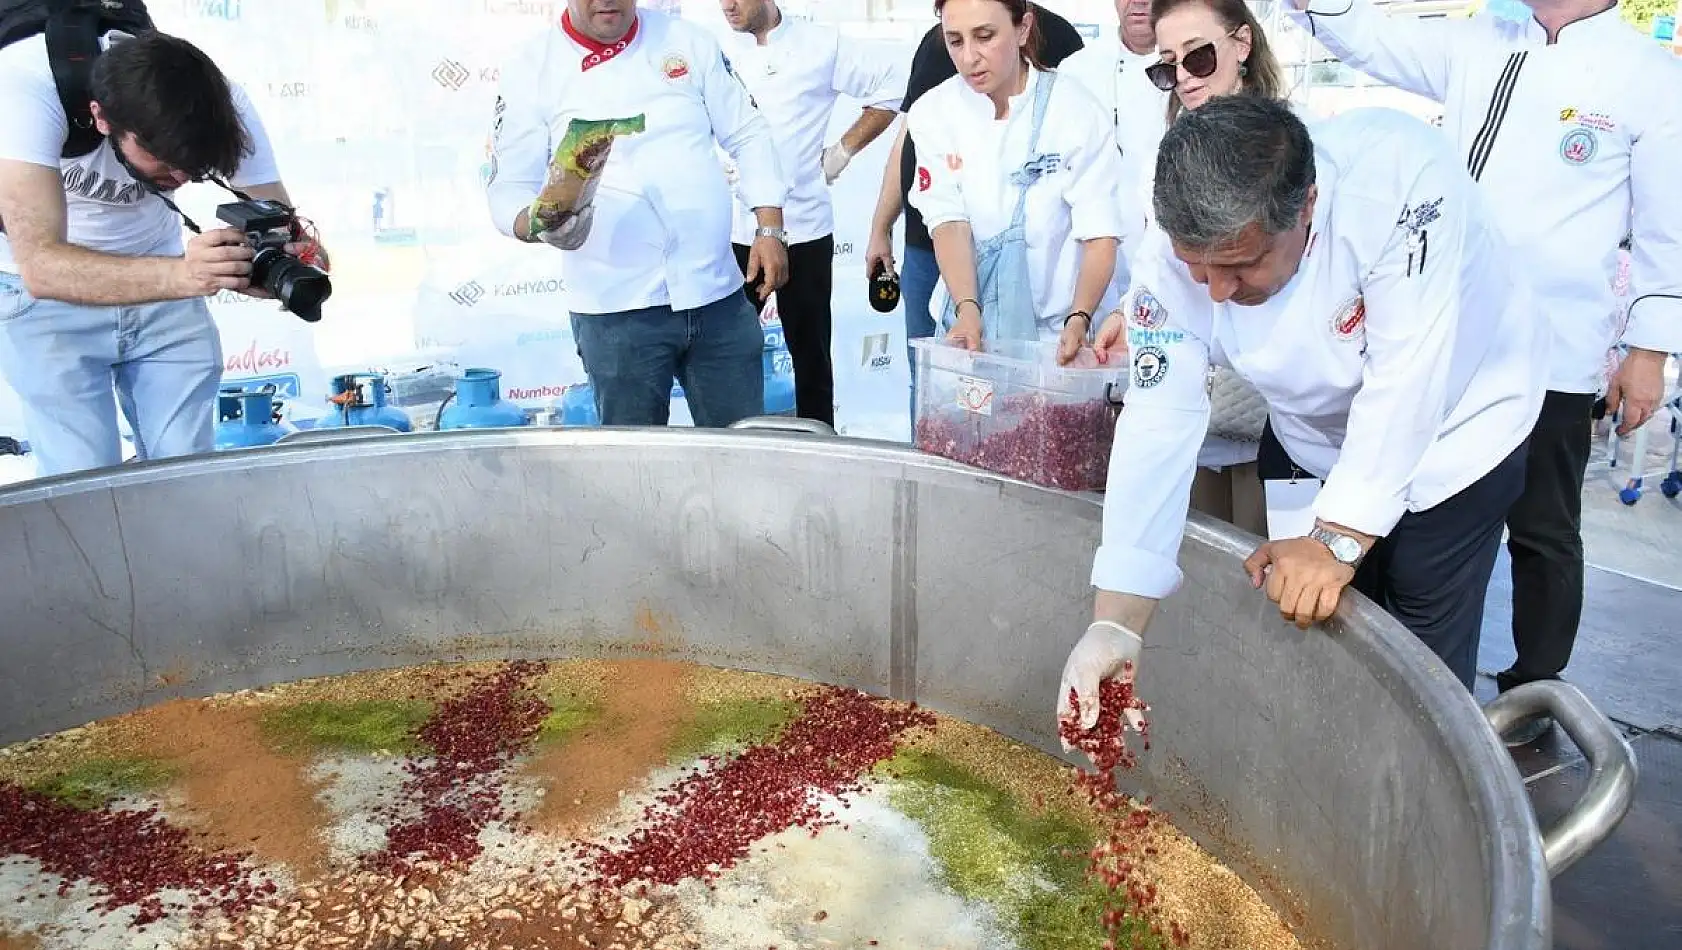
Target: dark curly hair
174	100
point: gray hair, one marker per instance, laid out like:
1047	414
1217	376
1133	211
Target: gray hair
1237	161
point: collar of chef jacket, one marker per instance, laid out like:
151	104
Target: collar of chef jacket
1589	29
595	52
981	105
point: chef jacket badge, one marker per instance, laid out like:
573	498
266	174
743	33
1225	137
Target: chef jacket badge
1416	219
1036	168
1349	320
1150	365
1579	146
1147	312
676	67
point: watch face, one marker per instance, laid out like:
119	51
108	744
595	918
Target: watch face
1346	549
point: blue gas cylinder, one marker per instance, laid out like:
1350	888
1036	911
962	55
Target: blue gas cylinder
578	406
245	418
478	403
358	399
779	373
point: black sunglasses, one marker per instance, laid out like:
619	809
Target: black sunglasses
1199	62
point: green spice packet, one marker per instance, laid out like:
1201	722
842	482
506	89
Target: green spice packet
584	147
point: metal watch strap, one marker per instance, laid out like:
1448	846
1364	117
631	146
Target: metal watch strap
1331	540
779	234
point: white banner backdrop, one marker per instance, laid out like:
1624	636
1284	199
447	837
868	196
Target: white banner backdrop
379	111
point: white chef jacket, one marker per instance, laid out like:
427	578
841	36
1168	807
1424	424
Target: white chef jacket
661	234
1400	364
795	79
964	161
1568	141
106	210
1115	75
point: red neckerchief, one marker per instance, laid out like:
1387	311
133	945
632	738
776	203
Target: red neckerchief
598	53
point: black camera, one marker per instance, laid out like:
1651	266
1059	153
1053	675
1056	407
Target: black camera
270	226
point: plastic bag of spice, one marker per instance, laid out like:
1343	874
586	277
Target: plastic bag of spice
562	213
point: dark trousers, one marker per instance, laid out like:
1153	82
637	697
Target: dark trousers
717	351
1545	539
803	306
1432	570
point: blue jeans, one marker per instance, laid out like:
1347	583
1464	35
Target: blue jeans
917	276
715	351
163	362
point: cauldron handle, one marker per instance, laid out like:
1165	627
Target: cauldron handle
784	424
1612	768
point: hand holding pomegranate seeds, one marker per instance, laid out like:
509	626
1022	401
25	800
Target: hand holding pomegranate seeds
1108	652
1105	742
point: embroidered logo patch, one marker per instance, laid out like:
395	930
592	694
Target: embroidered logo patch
1347	323
1150	365
1578	146
676	67
1416	217
924	179
1148	312
1599	121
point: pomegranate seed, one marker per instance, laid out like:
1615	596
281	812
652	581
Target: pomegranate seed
708	821
1029	437
130	855
457	790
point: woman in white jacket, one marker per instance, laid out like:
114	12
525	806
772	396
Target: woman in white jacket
1017	180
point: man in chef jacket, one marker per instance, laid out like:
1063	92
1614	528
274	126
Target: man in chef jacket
654	289
796	70
1358	282
1571	122
1112	67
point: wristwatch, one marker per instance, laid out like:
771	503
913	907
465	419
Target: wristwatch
1346	549
779	234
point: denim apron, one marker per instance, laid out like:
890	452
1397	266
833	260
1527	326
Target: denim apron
1002	287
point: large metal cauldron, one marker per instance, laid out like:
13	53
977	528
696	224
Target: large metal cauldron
1342	771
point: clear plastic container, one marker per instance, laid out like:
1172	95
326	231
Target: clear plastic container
1011	409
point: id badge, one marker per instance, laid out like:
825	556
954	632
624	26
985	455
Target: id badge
1290	506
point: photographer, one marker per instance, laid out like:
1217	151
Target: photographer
96	289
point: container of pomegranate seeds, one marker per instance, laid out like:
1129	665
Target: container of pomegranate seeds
1011	409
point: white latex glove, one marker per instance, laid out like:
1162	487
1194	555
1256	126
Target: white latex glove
572	232
835	159
1108	650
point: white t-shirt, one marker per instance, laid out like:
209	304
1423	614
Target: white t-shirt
106	209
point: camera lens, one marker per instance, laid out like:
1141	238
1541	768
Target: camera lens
299	287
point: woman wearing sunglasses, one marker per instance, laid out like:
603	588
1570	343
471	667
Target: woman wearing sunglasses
1004	150
1211	48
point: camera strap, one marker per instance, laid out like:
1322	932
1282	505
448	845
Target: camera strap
302	231
148	184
